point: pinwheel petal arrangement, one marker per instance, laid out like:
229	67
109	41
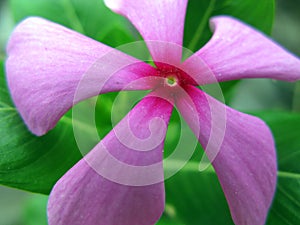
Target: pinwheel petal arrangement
47	62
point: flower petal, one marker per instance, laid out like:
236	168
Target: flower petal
47	62
118	182
242	152
156	20
238	51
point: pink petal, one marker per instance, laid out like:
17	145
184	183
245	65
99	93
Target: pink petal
115	184
242	152
46	64
238	51
156	20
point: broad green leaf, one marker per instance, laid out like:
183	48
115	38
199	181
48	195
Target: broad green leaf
35	210
286	205
286	130
197	197
228	88
257	13
91	17
28	162
5	99
167	219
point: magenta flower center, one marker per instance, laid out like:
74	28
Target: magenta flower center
172	80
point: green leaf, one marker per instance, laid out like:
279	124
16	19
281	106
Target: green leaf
285	128
228	88
5	99
28	162
286	205
91	18
197	197
259	14
166	220
35	210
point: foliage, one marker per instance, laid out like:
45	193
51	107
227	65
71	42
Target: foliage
36	163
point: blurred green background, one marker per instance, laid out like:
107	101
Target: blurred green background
24	208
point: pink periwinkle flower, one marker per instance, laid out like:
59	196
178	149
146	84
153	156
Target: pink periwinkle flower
47	62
